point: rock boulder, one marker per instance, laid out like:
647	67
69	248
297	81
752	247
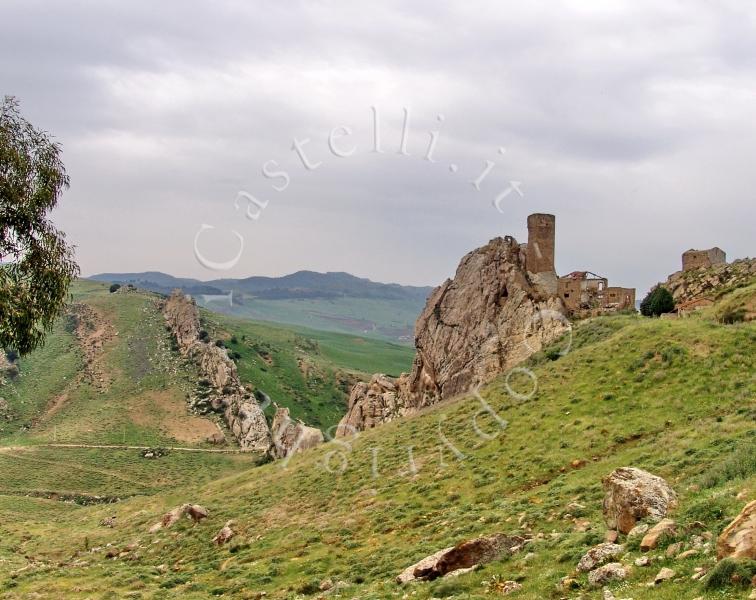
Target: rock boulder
634	494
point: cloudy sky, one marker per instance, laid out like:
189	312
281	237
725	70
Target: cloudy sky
634	122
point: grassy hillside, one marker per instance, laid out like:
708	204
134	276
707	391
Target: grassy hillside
107	375
673	397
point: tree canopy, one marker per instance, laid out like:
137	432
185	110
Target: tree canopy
657	301
36	264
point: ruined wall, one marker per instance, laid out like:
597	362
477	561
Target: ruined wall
697	259
619	297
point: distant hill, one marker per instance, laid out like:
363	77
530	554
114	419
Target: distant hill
328	301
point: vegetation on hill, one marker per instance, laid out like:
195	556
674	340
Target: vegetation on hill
674	397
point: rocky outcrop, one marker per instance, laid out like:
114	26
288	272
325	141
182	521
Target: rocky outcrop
738	540
373	403
225	534
291	436
493	315
193	511
634	494
464	555
598	555
707	282
241	411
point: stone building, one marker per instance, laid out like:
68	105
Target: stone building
584	292
697	259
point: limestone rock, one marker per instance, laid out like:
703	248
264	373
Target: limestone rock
373	403
194	511
598	555
243	415
225	534
663	575
705	282
493	315
610	572
738	540
462	556
662	528
634	494
290	436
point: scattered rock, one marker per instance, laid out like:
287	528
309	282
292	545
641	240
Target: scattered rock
462	556
639	530
325	585
108	522
611	536
194	511
598	555
664	575
634	494
643	561
610	572
225	534
687	554
674	549
738	540
651	539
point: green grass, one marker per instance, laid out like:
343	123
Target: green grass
673	397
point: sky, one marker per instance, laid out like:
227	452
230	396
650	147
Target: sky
400	127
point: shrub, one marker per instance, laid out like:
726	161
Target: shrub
220	344
11	355
115	287
733	315
731	572
203	335
658	301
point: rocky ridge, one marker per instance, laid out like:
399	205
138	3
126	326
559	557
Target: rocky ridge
708	282
242	413
491	316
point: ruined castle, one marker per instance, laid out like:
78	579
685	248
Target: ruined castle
583	293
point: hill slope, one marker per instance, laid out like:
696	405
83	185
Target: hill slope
673	397
327	301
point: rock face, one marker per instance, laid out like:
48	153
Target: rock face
193	511
291	436
462	556
738	540
493	315
634	494
242	413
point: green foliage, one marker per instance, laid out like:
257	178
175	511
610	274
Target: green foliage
36	264
115	287
731	572
658	301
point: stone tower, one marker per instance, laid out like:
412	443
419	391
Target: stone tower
541	232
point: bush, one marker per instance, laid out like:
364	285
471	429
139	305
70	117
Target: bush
115	287
11	355
733	315
203	335
658	301
731	572
220	344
